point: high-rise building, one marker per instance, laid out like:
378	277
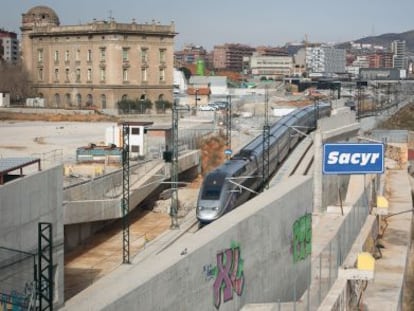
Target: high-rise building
190	54
98	63
230	56
9	46
324	59
380	60
400	59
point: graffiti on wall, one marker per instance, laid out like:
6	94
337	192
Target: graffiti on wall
228	275
302	238
13	301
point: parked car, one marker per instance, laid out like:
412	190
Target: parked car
351	104
206	108
219	105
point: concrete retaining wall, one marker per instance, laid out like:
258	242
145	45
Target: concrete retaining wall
24	203
192	274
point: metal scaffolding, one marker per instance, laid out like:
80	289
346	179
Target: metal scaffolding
125	193
45	263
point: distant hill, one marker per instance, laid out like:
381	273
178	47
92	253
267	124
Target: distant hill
386	39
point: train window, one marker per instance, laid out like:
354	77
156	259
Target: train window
211	193
212	186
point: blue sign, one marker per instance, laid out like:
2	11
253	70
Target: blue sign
353	158
228	151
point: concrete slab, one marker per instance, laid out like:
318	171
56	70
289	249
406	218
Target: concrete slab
385	291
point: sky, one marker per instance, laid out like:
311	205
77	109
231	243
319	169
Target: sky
215	22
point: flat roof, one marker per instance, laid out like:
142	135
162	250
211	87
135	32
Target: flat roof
8	165
137	123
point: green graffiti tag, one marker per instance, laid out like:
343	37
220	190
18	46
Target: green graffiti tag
302	237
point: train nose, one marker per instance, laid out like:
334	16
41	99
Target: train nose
207	212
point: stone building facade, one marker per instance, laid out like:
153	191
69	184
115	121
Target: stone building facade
99	63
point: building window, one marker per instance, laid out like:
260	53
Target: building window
40	74
68	99
162	74
56	74
67	74
89	100
56	58
102	53
144	55
57	100
135	131
77	55
78	74
125	75
125	54
135	148
162	55
67	54
103	101
144	75
89	56
89	74
102	74
40	55
79	100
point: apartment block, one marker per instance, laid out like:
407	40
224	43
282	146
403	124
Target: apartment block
9	47
230	56
275	67
324	59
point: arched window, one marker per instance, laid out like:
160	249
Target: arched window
143	97
124	97
57	100
79	100
161	97
68	100
103	101
89	100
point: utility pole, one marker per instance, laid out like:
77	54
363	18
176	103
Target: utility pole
228	150
196	99
266	142
125	193
174	166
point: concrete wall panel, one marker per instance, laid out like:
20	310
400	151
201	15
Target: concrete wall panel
182	277
24	202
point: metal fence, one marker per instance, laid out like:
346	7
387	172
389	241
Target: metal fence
323	270
17	279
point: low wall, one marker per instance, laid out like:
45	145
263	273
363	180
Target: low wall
240	258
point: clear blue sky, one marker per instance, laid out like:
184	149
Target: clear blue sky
259	22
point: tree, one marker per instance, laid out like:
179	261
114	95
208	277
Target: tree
14	79
186	71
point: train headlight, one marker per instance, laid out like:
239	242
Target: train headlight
200	208
216	208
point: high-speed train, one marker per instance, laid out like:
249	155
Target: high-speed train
229	185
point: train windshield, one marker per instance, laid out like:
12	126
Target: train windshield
212	186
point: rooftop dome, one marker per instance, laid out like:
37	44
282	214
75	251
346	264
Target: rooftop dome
41	15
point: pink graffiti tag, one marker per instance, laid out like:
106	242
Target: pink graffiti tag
229	277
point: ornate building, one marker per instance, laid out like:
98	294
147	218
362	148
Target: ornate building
99	63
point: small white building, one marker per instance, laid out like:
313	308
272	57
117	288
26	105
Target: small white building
137	137
4	99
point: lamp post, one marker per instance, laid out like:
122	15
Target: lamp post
196	99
